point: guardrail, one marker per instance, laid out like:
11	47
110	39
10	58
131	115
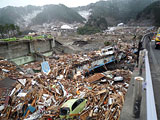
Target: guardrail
151	109
150	101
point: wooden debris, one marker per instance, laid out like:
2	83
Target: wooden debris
47	96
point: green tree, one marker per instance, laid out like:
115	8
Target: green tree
2	31
99	22
9	30
12	29
94	25
88	30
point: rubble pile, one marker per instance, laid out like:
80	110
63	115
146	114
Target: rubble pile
126	31
97	41
106	97
40	95
7	69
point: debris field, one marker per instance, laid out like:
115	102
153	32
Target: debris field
40	89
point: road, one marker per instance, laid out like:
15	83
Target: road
154	59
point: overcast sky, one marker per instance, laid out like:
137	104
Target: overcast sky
69	3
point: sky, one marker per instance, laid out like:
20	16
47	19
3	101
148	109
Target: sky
69	3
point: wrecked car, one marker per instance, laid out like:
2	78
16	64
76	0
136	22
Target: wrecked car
107	51
72	108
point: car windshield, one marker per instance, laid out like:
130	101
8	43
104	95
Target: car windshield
110	49
77	103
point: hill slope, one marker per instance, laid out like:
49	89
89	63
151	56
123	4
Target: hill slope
151	14
115	11
60	12
12	15
31	15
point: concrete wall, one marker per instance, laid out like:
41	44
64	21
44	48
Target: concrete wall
21	52
15	49
41	46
